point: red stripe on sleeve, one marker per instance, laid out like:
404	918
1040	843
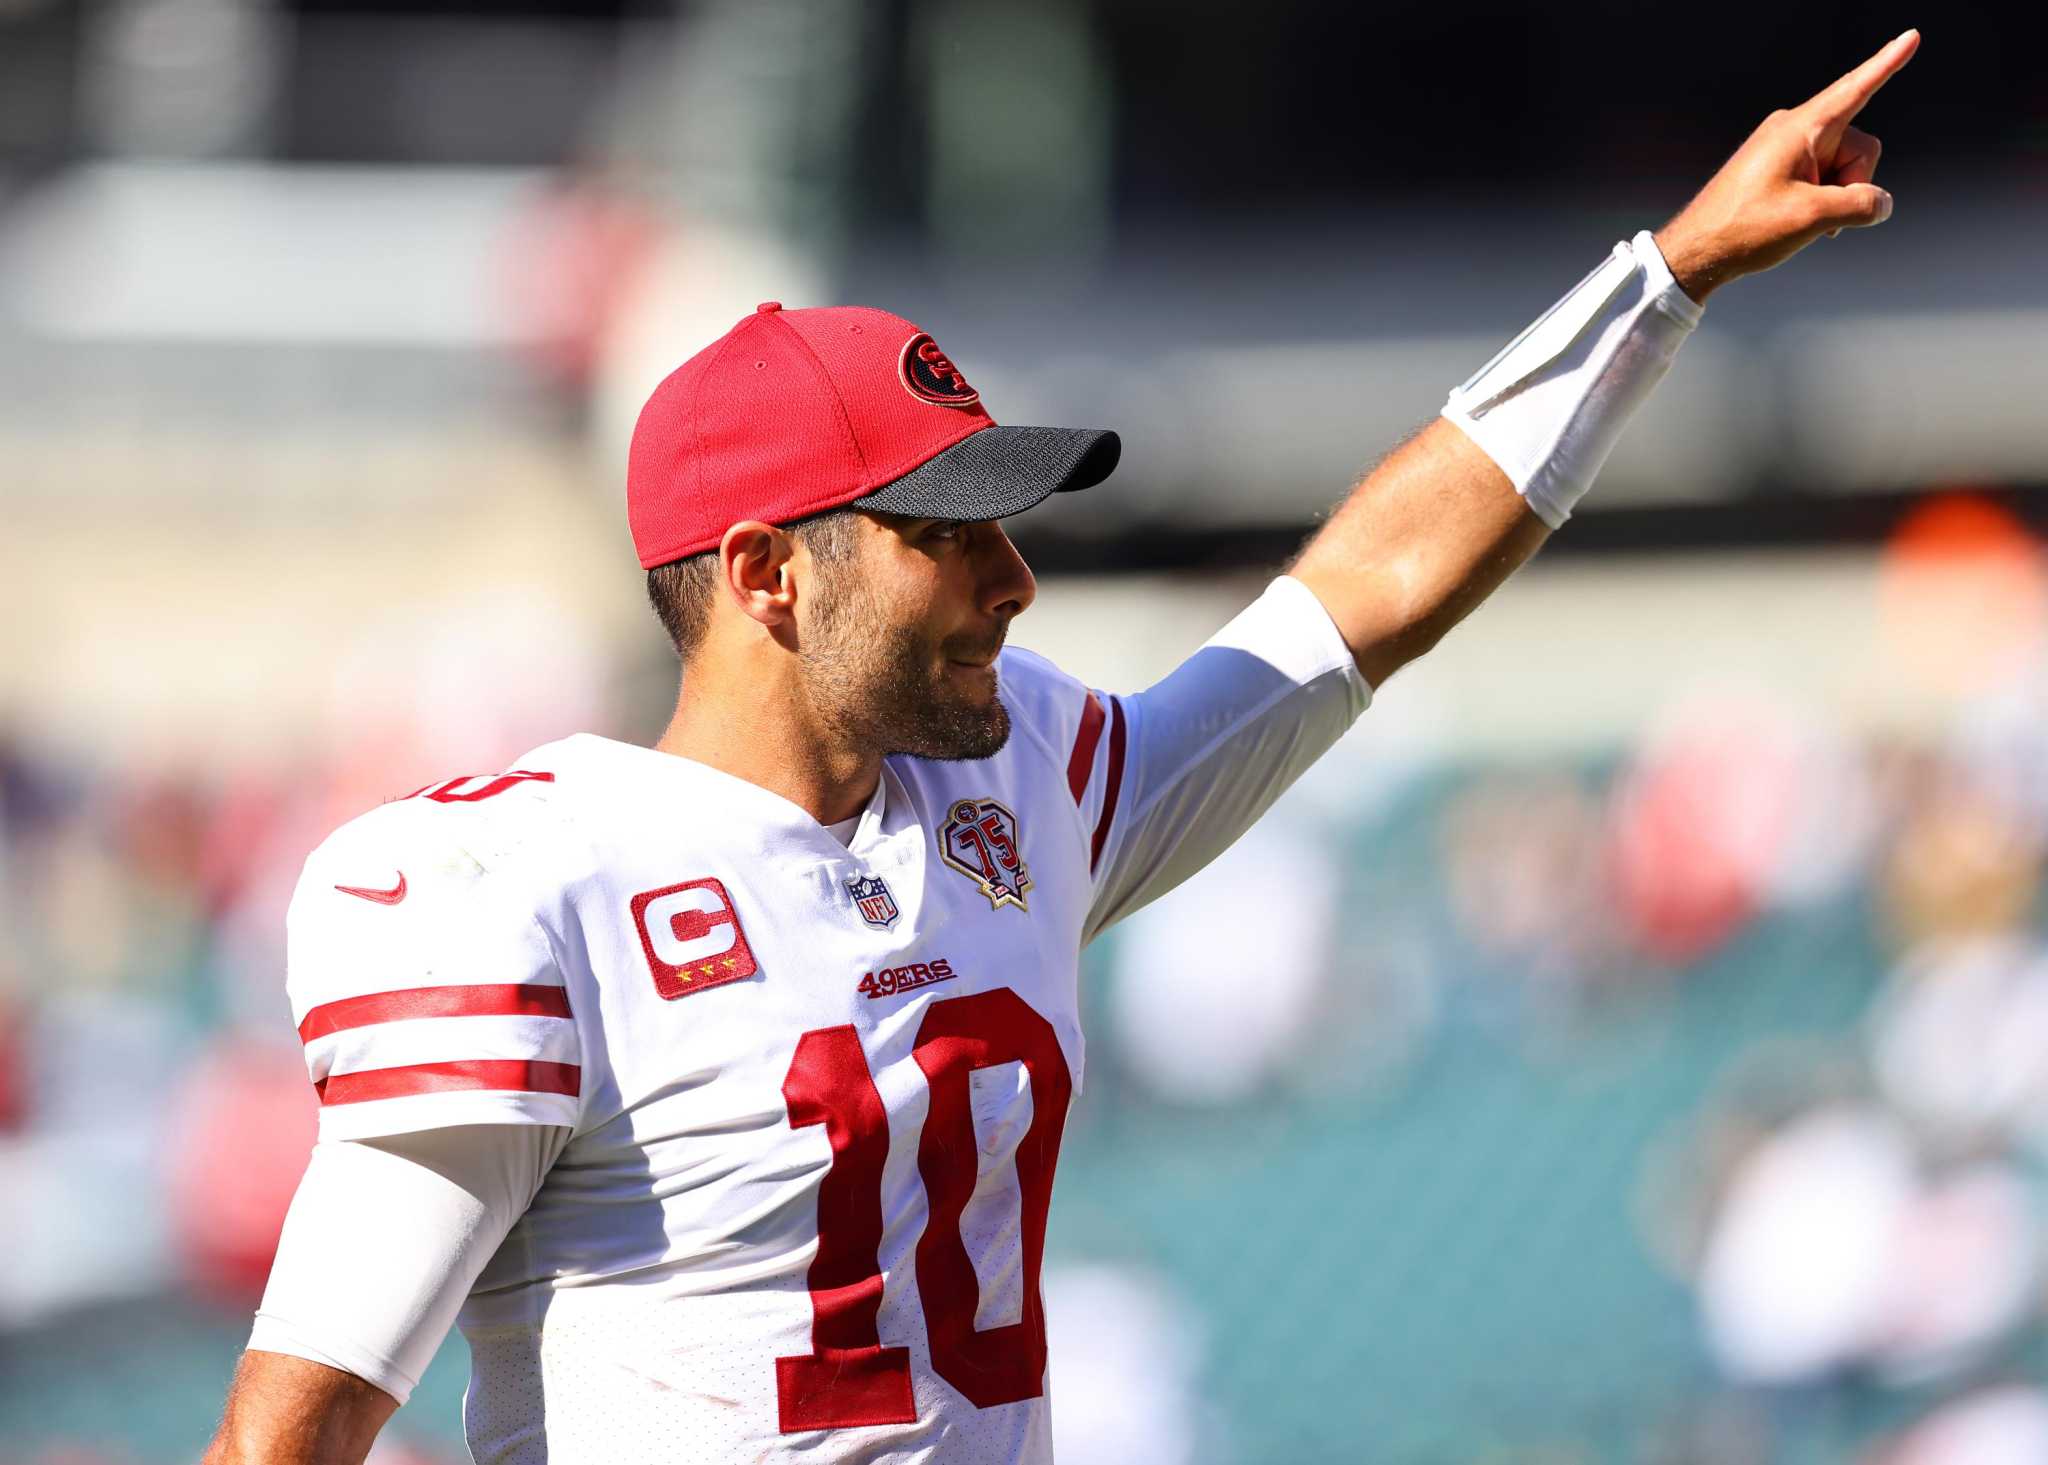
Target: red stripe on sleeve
517	1074
497	999
1082	763
1113	784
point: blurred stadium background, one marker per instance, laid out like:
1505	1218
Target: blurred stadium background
1630	1045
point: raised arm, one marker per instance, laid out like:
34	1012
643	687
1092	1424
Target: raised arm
1452	512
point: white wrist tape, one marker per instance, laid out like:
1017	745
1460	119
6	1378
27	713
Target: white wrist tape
1549	408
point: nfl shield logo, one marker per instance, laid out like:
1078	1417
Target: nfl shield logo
872	899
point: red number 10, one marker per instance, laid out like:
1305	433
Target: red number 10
848	1377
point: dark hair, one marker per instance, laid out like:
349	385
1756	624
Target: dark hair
683	591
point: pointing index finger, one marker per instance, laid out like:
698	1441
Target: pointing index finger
1847	97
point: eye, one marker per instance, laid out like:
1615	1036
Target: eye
945	529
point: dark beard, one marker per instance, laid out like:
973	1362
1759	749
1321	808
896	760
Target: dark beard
923	718
892	692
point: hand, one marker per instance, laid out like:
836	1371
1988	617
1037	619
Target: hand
1802	173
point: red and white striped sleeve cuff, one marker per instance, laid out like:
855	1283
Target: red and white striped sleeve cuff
427	1057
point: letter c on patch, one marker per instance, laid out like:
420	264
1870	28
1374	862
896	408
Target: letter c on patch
693	938
669	916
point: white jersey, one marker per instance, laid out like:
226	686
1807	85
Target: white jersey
813	1093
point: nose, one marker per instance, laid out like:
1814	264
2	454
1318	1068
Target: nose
1005	586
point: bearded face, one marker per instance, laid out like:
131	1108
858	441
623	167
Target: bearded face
882	675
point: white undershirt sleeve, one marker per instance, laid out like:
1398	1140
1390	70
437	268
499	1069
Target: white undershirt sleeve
1210	747
385	1238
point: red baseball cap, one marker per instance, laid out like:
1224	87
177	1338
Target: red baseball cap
793	412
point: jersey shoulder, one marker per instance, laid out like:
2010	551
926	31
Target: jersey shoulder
443	884
466	825
424	981
1049	709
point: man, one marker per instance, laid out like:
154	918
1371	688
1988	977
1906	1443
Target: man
720	1085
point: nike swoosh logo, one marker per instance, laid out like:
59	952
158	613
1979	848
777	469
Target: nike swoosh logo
383	897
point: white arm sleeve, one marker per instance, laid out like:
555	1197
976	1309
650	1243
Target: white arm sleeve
1166	779
385	1238
1222	736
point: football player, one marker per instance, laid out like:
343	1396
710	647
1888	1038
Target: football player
716	1088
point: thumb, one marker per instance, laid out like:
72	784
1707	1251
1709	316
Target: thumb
1853	206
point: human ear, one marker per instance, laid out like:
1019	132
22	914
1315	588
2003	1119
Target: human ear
753	559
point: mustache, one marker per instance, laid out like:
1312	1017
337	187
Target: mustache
979	648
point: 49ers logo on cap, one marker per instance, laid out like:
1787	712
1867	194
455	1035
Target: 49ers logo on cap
692	938
931	375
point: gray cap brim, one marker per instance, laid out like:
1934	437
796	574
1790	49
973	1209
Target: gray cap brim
1000	471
